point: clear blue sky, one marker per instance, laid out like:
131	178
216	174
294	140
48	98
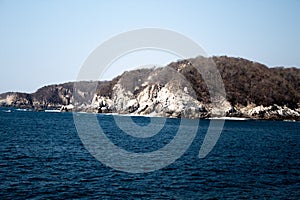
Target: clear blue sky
46	41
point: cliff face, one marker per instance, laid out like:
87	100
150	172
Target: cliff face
177	90
48	97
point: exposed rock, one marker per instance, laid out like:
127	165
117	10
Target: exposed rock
67	108
102	104
273	112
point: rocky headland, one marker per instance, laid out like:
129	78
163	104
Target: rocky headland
177	90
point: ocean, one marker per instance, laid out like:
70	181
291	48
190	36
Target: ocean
44	157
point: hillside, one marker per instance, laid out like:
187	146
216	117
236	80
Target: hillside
178	90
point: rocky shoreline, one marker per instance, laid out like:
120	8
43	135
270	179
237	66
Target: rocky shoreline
275	112
252	91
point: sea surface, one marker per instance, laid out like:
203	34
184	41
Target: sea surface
42	157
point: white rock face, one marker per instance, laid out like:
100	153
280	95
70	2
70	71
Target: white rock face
102	104
10	99
221	108
122	99
269	112
69	107
157	100
160	92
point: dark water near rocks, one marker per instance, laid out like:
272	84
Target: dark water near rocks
42	157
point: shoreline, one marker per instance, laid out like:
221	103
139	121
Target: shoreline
225	118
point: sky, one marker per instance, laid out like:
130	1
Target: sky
44	42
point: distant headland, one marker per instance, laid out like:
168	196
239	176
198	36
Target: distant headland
252	91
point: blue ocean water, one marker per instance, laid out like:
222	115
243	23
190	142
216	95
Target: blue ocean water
42	157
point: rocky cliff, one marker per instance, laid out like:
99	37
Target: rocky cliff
178	90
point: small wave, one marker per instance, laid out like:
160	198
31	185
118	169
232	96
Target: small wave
21	109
